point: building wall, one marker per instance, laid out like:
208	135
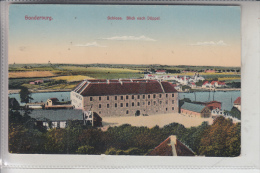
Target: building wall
190	113
76	100
205	113
106	105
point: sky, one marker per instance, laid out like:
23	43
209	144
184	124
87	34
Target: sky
82	34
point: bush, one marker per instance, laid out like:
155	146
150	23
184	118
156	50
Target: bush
111	151
85	150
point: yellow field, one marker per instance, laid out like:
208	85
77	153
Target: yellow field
100	69
228	78
28	74
72	78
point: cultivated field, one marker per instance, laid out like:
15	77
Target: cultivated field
153	120
72	78
100	69
30	74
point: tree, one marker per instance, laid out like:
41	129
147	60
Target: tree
222	139
25	95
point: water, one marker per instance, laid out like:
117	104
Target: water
227	98
43	97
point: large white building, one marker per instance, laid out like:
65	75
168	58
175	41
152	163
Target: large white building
125	97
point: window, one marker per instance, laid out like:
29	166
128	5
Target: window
99	112
172	101
143	96
90	116
121	104
160	102
90	98
154	102
127	112
160	95
99	98
166	109
148	96
115	105
148	103
122	97
133	97
126	97
143	103
138	103
126	104
99	105
166	95
107	97
166	102
172	108
138	97
172	95
107	105
115	97
133	103
154	96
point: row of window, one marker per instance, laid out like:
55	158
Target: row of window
127	112
133	97
133	104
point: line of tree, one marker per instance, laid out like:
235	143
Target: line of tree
220	139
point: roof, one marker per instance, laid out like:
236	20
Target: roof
123	87
57	115
218	82
193	107
171	147
206	82
238	101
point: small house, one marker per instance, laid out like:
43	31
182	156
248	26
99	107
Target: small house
52	101
237	103
171	147
195	110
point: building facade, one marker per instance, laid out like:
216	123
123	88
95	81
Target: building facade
195	110
125	97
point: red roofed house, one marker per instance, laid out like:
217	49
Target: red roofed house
237	103
217	84
125	97
171	147
160	71
206	84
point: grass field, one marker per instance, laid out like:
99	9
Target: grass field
72	78
30	74
100	69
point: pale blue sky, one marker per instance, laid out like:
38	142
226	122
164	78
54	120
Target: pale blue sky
74	25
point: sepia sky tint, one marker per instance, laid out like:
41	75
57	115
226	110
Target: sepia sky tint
82	34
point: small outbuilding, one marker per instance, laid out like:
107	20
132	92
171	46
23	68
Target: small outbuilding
195	110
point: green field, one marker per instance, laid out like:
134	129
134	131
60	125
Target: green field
67	75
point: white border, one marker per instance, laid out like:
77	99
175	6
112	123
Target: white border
249	159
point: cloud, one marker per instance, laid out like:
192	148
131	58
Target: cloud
129	38
210	43
93	44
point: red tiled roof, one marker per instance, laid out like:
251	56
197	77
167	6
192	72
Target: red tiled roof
123	88
206	82
238	101
168	87
166	149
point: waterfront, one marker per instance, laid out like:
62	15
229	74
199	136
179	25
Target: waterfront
226	97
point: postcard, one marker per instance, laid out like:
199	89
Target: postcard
157	80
